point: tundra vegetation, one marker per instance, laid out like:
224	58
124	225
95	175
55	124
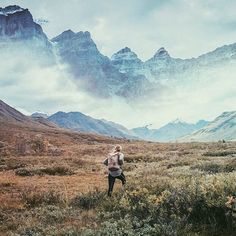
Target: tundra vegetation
172	189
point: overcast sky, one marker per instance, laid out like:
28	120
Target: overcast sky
186	28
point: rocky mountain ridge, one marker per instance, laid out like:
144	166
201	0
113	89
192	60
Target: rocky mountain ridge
124	75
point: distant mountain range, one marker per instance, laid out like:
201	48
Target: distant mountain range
169	132
19	132
223	127
124	74
77	121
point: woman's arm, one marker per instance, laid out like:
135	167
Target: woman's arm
105	162
121	159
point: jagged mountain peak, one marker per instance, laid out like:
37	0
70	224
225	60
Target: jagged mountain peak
177	121
161	53
84	34
10	10
18	24
124	50
125	54
69	35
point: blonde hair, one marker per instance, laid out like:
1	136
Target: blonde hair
117	148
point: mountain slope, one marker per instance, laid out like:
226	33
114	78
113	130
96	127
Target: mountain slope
21	36
92	70
17	23
79	122
223	127
169	132
19	134
11	115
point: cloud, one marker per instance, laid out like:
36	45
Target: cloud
28	86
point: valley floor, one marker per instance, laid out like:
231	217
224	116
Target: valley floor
172	189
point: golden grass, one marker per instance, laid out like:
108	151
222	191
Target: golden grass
148	164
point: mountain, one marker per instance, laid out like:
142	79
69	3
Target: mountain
126	61
39	114
11	115
123	75
92	70
164	69
77	121
121	128
20	35
223	127
23	135
169	132
17	23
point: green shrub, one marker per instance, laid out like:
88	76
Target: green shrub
88	200
219	153
213	168
51	214
24	172
56	170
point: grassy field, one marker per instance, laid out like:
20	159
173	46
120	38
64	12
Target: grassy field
172	189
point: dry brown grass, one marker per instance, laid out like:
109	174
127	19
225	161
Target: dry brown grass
147	164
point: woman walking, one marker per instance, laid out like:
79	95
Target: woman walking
114	162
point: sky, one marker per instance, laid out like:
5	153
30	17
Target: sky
186	28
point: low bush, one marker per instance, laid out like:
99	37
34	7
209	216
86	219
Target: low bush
54	170
32	198
197	205
213	168
24	172
219	153
88	200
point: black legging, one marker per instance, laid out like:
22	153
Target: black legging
111	181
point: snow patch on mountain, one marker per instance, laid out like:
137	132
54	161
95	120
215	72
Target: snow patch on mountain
10	10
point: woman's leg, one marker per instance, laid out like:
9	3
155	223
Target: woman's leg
111	181
122	178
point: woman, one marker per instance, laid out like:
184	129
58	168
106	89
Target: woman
114	162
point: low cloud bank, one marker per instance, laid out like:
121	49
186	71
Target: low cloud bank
29	87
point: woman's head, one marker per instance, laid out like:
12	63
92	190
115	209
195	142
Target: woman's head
117	148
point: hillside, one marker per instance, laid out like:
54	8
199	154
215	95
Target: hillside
21	135
78	121
223	127
169	132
